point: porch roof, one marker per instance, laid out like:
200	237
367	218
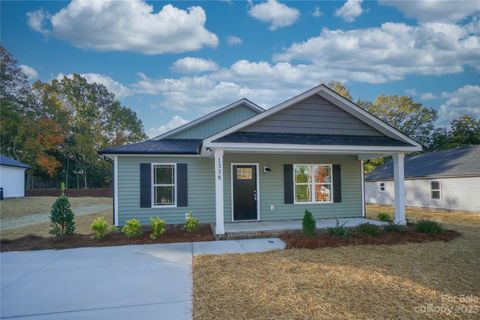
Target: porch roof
166	146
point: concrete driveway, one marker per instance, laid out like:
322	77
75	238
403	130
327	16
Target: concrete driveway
125	282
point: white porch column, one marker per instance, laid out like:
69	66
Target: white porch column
398	174
219	226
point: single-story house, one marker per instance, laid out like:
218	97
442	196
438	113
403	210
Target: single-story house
12	177
448	179
244	163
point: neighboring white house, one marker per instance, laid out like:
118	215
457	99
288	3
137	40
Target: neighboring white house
12	177
447	179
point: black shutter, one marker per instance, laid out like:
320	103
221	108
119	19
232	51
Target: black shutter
145	185
182	185
288	183
337	183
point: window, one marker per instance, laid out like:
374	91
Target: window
435	190
164	185
244	173
312	183
381	187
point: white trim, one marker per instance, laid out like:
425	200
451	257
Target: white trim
439	189
115	194
111	156
346	105
219	174
399	183
154	185
209	116
258	188
313	183
363	188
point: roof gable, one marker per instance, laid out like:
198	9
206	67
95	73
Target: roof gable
6	161
215	121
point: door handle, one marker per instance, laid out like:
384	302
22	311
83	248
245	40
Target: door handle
255	195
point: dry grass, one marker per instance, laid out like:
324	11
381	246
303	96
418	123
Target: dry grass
18	207
82	226
413	281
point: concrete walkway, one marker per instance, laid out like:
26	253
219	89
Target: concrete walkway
124	282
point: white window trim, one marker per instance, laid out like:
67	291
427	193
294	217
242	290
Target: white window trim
157	185
380	187
439	190
313	183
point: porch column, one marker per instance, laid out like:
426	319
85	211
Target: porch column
398	174
219	225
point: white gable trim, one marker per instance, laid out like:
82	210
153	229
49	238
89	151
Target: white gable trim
333	97
209	116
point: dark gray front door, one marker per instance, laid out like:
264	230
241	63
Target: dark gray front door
244	192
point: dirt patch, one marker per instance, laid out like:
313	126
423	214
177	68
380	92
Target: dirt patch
324	240
173	234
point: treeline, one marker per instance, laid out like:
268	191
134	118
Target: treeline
58	127
418	122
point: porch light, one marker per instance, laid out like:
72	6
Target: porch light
266	169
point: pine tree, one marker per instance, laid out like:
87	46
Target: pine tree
62	217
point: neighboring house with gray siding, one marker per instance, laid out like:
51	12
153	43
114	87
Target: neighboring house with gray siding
244	163
448	179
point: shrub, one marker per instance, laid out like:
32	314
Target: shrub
159	227
62	217
369	229
308	225
394	228
100	228
428	226
191	224
339	230
383	216
132	228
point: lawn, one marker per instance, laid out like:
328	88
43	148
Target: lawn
31	207
434	280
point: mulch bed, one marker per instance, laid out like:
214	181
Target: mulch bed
323	239
173	234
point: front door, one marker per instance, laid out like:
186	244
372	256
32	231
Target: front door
244	192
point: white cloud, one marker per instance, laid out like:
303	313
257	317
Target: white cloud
234	40
428	96
435	10
30	72
115	87
317	12
175	122
277	14
390	52
350	10
193	65
126	26
462	101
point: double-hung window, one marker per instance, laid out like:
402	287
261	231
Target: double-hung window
381	186
312	183
435	190
164	185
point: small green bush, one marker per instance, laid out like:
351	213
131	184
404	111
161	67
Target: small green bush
191	224
428	226
383	216
308	225
100	228
61	217
132	228
339	230
159	227
394	228
369	229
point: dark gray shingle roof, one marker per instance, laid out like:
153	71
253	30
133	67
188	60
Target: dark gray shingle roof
6	161
447	163
313	139
166	146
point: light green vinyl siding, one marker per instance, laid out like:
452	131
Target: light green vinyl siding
219	123
201	188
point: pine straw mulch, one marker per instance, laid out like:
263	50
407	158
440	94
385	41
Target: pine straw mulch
430	280
173	234
323	239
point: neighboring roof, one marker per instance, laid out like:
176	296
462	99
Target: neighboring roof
166	146
245	102
310	139
458	162
336	99
6	161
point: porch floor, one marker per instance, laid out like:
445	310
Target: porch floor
286	225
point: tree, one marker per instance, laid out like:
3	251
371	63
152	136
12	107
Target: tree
62	217
463	131
340	88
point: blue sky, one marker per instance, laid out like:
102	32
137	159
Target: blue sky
174	61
